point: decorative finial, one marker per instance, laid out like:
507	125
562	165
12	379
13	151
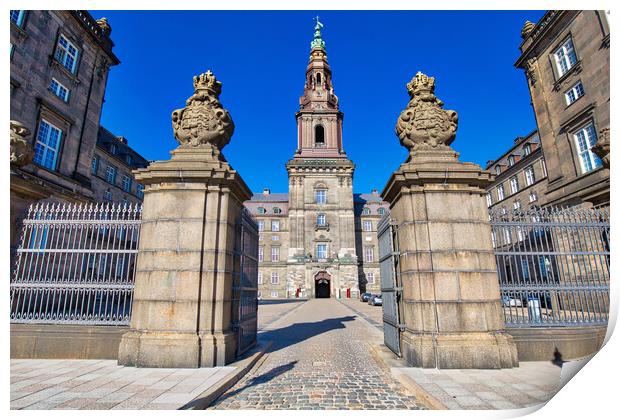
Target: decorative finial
424	124
317	42
527	29
203	122
105	26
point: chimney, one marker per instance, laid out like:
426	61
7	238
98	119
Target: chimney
266	191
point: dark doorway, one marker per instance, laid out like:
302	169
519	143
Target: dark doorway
322	283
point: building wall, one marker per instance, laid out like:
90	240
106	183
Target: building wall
558	122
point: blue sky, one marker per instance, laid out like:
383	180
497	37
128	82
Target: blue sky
261	56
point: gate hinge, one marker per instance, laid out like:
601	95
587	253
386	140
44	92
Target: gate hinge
402	327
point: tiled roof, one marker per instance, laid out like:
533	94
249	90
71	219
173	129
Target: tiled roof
270	198
367	198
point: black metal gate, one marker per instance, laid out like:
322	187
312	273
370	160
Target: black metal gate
245	283
390	287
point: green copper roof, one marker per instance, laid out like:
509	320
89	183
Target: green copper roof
317	42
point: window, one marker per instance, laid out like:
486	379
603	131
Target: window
367	225
261	225
574	93
140	190
543	264
275	237
370	277
59	90
276	210
261	210
500	192
319	136
533	197
366	211
381	211
504	211
511	160
530	178
527	149
498	170
318	78
320	196
110	174
274	294
260	278
47	145
113	149
516	205
66	54
514	184
94	165
107	195
321	220
565	57
525	269
17	17
585	138
489	200
126	183
370	254
261	254
275	225
321	251
128	160
544	167
275	278
275	253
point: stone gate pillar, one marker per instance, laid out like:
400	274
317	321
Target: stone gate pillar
450	299
181	314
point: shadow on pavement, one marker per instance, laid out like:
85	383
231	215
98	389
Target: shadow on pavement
301	331
278	301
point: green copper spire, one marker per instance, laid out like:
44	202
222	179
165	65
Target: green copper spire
317	42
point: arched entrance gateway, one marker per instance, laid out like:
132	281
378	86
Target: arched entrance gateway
322	285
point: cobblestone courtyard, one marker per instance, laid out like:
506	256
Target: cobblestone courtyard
320	359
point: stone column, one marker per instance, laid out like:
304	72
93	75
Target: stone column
450	299
181	314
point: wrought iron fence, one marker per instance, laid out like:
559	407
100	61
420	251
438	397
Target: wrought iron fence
553	266
75	264
245	283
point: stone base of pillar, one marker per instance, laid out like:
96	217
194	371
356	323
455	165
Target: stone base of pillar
459	351
217	349
159	349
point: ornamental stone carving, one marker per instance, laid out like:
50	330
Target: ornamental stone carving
530	70
424	124
527	29
203	121
106	29
21	150
602	147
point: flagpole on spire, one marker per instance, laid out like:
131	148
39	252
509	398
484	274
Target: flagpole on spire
317	42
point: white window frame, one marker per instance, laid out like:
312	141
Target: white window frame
274	294
584	139
514	184
60	90
516	205
44	148
500	192
321	251
367	226
544	167
261	225
275	253
275	226
511	160
261	253
489	200
321	219
110	174
107	195
527	149
530	176
94	165
574	93
64	54
565	57
533	196
126	183
370	278
369	254
275	237
275	278
19	18
381	211
260	278
320	196
140	190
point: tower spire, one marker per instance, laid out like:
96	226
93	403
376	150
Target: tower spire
317	42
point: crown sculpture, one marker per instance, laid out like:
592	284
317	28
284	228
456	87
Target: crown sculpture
203	121
424	124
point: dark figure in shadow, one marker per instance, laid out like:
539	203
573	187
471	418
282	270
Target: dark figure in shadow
557	358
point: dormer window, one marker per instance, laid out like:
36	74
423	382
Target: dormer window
319	136
366	211
276	210
527	149
498	170
261	210
511	160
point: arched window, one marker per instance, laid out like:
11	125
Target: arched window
319	136
381	211
276	210
261	210
318	78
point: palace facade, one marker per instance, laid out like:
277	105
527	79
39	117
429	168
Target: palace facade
319	239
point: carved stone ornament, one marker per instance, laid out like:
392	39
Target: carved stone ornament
530	70
602	147
21	150
106	29
527	29
203	121
424	124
